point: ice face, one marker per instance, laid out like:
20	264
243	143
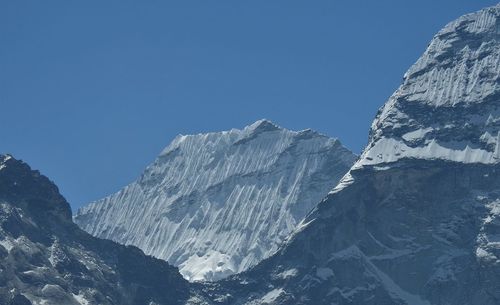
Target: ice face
215	204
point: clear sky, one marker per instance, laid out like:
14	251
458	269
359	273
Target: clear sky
91	91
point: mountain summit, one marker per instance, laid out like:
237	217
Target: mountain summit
215	204
447	106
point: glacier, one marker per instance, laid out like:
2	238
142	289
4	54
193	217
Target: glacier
216	204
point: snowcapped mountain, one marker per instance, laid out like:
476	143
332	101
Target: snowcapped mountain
417	219
215	204
46	259
447	106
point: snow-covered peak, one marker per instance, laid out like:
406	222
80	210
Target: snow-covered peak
5	157
262	125
448	105
3	160
217	203
229	136
480	22
449	72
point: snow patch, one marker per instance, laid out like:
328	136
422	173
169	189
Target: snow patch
210	266
81	299
7	244
388	150
416	134
288	273
271	296
483	254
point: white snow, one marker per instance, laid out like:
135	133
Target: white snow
344	182
459	70
212	262
416	134
483	254
271	296
81	299
488	241
7	244
387	150
217	203
3	159
290	273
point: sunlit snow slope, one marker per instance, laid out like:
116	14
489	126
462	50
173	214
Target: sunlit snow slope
447	106
215	204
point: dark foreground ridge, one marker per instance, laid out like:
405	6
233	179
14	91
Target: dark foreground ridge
45	257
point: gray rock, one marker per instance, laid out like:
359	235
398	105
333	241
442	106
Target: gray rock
45	257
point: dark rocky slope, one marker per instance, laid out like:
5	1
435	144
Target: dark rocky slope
46	259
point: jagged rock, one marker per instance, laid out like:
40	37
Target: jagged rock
46	259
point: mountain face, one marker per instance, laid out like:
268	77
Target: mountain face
417	219
215	204
46	259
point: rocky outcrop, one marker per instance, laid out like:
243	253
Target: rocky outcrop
46	259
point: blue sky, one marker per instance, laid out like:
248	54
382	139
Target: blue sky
91	91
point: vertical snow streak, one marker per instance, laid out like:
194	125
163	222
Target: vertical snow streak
223	200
